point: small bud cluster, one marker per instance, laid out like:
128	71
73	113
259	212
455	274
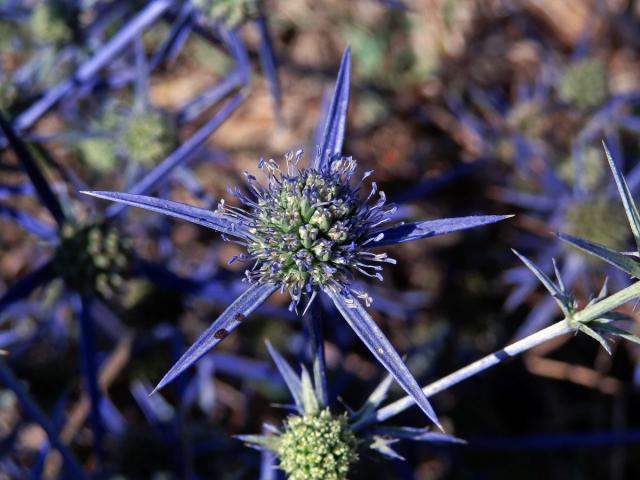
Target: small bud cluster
317	447
93	258
584	84
308	229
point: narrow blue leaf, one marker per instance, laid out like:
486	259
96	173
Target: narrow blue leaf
336	122
630	206
43	189
369	332
26	221
619	260
269	63
26	285
417	434
89	362
235	314
430	228
596	336
290	377
178	34
210	97
558	295
200	216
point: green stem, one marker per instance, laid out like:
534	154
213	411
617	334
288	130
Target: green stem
563	327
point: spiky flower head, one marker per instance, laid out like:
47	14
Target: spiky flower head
584	84
307	227
93	257
317	447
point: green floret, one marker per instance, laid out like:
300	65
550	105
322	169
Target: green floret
584	84
317	447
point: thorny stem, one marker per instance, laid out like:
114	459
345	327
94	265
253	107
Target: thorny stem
313	324
563	327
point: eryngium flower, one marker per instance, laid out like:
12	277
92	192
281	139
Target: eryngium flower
309	229
306	231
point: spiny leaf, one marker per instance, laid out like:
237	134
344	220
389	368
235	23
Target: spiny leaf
309	399
374	400
630	206
619	260
270	442
200	216
290	378
336	122
596	336
376	341
416	230
558	295
619	332
235	314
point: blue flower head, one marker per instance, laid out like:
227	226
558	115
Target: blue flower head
307	231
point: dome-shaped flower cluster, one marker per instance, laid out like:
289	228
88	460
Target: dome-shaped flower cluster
317	447
308	229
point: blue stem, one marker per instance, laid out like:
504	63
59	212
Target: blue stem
313	324
90	372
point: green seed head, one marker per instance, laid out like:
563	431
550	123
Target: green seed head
599	220
98	153
584	84
49	22
317	447
93	258
230	12
149	137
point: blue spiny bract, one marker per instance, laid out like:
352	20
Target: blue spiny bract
307	228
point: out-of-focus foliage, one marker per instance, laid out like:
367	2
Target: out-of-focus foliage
460	107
